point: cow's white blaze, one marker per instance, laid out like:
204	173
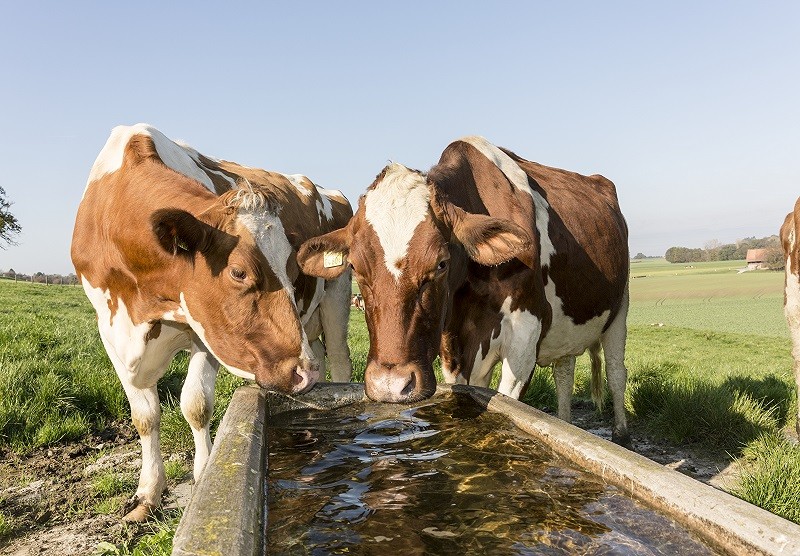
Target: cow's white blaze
394	209
519	179
515	345
270	236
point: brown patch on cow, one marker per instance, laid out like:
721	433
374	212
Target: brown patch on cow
154	332
140	148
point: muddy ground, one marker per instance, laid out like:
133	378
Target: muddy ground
50	505
49	502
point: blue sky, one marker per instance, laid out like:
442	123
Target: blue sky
691	108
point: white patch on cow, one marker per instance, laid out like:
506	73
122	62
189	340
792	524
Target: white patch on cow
394	208
324	206
297	181
515	345
182	159
519	179
198	329
194	155
125	338
564	336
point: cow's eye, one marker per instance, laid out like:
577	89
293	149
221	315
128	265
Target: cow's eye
441	266
238	274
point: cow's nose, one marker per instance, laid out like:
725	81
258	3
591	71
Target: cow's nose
390	382
304	376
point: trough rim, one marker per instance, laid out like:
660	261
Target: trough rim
727	524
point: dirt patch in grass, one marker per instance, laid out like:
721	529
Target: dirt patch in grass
50	502
717	469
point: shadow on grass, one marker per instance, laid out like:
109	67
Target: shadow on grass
725	416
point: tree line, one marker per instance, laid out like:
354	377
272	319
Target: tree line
716	251
39	277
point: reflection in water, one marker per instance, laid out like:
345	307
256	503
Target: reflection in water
442	477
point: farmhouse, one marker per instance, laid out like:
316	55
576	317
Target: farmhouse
756	259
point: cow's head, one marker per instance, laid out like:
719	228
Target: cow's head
238	294
408	247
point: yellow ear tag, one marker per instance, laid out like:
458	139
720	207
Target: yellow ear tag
331	259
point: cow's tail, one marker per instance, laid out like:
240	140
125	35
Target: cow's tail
597	375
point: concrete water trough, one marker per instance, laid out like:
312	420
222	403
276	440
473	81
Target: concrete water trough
228	512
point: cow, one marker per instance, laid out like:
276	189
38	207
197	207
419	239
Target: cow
487	257
791	300
179	251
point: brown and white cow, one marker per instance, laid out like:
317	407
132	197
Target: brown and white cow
790	231
179	251
488	257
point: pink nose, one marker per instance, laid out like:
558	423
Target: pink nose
386	382
305	376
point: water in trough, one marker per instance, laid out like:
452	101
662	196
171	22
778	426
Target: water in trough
442	477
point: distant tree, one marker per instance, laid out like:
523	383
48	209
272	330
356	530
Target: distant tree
727	252
640	256
684	255
774	259
9	225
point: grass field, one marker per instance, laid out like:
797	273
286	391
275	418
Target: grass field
708	359
707	296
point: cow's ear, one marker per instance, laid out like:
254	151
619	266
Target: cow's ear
487	240
325	256
491	241
178	232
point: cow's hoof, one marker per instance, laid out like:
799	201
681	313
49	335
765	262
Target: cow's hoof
137	511
623	439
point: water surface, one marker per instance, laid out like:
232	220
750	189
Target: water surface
442	477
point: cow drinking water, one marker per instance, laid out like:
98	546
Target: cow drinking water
488	257
178	251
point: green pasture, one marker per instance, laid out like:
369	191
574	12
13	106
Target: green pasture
707	296
708	359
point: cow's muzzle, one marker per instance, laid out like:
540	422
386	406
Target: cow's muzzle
404	383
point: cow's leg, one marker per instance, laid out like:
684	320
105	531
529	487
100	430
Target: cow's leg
796	355
519	349
197	400
140	355
792	311
450	358
613	340
335	314
564	376
313	328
